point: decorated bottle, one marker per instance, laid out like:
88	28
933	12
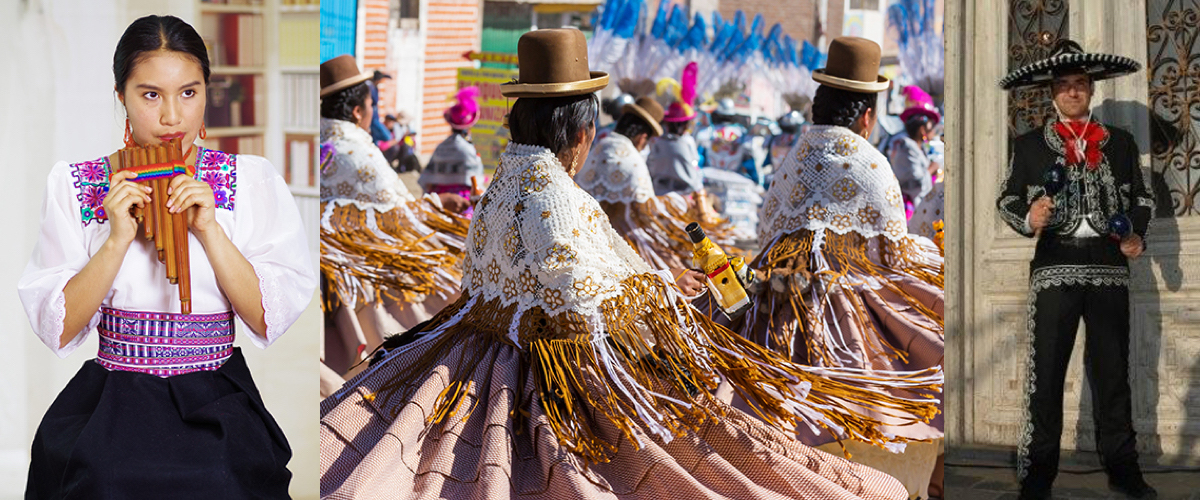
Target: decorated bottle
722	279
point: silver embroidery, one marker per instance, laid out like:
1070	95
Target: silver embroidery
1042	279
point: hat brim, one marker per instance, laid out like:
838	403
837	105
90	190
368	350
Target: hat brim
910	112
645	116
349	82
598	81
1097	66
879	85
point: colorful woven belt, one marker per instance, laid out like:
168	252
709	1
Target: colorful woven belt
164	344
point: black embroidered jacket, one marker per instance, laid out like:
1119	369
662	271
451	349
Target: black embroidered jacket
1090	196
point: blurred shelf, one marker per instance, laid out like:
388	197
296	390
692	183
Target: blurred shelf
301	131
238	70
300	9
217	132
314	69
230	9
305	190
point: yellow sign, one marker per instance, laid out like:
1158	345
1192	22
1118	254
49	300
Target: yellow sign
492	57
489	135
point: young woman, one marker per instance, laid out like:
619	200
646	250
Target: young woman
168	409
568	368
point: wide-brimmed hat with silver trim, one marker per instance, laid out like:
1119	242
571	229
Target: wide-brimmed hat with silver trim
1069	56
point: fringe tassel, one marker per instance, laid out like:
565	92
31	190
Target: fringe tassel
369	255
650	362
656	230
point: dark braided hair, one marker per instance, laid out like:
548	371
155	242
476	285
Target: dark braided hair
914	125
676	128
340	105
153	33
839	107
552	122
631	125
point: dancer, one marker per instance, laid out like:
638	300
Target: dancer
848	286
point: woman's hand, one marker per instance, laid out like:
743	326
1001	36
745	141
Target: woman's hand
122	195
453	203
690	282
196	197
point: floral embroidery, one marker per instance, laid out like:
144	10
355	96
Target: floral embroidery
553	297
219	170
868	215
560	256
844	189
587	286
91	184
215	168
816	212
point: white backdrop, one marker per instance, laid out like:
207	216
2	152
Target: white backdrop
57	103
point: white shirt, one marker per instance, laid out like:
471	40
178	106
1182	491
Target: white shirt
258	215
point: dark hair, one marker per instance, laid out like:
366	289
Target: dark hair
340	105
839	107
631	125
913	126
152	33
610	108
552	122
676	128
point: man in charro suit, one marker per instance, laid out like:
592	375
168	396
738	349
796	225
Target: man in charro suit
1076	186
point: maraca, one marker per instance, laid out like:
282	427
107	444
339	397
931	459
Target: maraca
1054	180
1119	227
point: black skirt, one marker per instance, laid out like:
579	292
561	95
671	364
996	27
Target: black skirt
128	435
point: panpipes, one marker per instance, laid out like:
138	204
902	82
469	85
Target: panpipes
156	165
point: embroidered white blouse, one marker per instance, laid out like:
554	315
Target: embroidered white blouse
254	208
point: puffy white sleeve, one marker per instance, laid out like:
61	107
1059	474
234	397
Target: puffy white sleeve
60	254
269	233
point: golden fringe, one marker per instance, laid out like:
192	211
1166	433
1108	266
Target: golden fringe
656	369
357	264
847	258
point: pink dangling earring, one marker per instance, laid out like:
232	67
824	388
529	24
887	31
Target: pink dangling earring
129	142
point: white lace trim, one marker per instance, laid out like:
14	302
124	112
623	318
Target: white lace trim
1042	279
833	179
274	310
616	172
538	240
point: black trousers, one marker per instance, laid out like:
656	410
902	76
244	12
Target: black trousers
1056	311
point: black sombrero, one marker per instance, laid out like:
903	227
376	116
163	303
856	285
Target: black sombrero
1068	55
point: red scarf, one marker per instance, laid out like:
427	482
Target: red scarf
1092	134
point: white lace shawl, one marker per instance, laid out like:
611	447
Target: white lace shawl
833	179
358	172
540	240
616	172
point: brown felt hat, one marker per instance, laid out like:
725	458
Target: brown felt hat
339	73
853	65
553	63
649	110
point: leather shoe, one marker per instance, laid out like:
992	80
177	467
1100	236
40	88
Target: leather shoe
1133	487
